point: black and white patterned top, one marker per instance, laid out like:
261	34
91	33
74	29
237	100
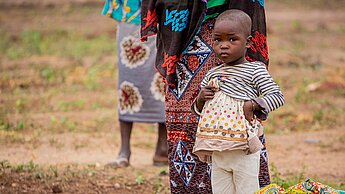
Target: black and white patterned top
248	81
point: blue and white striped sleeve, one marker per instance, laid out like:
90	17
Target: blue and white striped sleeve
267	88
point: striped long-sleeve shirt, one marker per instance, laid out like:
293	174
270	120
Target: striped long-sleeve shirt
248	81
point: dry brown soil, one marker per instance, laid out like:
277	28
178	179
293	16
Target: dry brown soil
305	43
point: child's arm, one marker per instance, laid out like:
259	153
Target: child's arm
206	93
270	94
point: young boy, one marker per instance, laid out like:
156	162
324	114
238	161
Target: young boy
232	97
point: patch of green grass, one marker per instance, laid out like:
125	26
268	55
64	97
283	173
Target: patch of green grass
62	124
32	40
285	182
4	164
71	105
21	105
4	123
139	178
296	26
89	171
16	126
11	137
81	144
158	185
288	181
48	73
55	143
96	74
342	28
302	95
26	167
61	43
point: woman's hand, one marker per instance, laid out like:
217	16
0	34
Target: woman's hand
248	109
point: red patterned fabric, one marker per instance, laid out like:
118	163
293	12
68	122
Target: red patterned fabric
259	44
177	22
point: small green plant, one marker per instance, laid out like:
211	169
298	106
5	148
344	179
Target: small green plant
158	185
72	105
139	178
4	124
4	164
20	125
39	174
342	28
48	74
163	172
20	105
31	40
285	182
62	124
55	143
318	115
26	167
54	171
296	25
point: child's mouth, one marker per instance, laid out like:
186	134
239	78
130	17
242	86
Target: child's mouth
224	54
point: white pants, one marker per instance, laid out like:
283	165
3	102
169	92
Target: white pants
234	172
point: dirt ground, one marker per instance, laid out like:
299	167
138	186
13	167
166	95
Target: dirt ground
58	125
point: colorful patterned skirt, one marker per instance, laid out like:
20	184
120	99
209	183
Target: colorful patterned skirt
187	173
140	87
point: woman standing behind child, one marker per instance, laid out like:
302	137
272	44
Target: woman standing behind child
140	90
233	97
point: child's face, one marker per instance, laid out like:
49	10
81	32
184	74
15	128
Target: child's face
230	42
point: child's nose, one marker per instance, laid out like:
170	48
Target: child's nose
224	46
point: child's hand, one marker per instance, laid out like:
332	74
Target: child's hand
206	93
248	109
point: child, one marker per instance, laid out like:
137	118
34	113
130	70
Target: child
232	97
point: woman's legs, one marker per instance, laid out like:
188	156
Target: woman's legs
125	130
161	153
125	150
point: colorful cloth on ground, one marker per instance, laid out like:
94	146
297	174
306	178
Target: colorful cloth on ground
123	10
177	22
307	187
270	189
140	87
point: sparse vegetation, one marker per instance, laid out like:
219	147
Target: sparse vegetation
58	100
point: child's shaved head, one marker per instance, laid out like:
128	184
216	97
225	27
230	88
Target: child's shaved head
237	16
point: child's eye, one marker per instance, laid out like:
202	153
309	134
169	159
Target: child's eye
216	39
232	40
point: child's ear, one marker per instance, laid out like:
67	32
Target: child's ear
249	41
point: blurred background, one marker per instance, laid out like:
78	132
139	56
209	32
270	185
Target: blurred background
58	118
